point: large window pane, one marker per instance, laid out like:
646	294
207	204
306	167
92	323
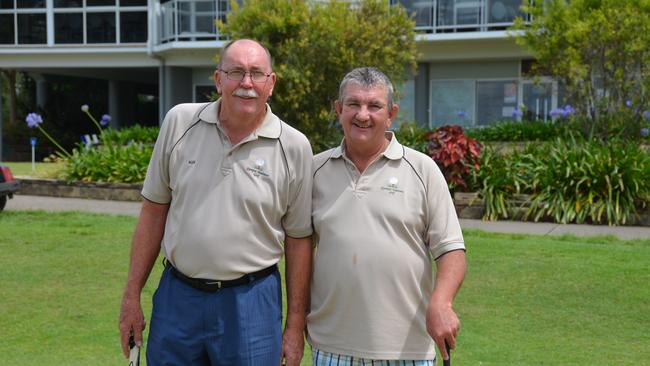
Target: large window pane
496	100
422	11
68	3
459	12
503	11
6	4
452	102
30	3
133	27
68	28
32	29
6	29
133	2
100	27
537	99
100	2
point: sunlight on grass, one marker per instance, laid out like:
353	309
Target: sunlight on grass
42	170
526	300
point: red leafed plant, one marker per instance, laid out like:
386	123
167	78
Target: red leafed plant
455	154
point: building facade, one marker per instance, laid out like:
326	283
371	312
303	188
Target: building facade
144	56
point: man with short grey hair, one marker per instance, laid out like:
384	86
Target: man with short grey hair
227	193
382	213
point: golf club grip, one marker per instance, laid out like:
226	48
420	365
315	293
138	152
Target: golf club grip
447	362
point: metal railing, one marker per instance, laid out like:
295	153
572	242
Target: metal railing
190	20
194	20
448	16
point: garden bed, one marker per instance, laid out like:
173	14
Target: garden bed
92	190
470	206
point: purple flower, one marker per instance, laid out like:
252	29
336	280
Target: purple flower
646	115
516	113
461	114
106	119
568	110
556	112
563	112
644	132
33	120
628	103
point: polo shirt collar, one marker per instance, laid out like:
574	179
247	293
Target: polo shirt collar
394	150
270	127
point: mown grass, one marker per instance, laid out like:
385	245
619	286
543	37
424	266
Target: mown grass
41	170
527	300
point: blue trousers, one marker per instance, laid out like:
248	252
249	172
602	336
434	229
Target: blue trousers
234	326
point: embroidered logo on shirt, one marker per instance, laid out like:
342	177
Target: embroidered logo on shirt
259	168
392	186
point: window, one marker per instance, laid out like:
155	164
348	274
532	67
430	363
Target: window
100	2
32	29
6	4
133	27
30	3
68	3
452	102
100	27
538	99
133	2
6	29
496	100
68	28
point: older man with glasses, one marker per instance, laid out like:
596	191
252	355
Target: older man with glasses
227	192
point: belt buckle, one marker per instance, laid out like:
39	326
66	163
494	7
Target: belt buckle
218	283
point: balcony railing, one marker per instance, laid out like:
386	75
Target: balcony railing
194	20
191	20
445	16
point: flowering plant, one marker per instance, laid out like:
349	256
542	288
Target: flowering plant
106	119
455	153
34	120
562	112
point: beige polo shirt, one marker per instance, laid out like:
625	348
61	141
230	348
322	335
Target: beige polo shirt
376	236
230	206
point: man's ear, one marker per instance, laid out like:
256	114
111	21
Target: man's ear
337	107
392	114
217	80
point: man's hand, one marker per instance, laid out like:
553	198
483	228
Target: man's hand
131	322
293	344
442	325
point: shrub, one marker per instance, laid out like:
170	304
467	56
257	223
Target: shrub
124	136
412	135
109	163
510	131
455	153
588	181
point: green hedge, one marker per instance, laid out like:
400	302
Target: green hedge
569	180
123	156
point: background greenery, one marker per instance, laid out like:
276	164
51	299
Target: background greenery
314	44
526	300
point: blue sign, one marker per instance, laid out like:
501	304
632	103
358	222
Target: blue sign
32	141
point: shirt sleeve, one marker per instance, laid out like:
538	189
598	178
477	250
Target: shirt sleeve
444	233
156	187
297	220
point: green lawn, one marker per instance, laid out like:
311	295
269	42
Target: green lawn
41	170
527	300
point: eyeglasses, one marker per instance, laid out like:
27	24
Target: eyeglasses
238	75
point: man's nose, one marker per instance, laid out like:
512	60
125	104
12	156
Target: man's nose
363	114
247	81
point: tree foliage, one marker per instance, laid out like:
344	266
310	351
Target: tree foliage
600	51
315	44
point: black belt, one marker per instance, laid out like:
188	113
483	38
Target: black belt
214	285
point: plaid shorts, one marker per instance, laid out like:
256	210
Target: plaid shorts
322	358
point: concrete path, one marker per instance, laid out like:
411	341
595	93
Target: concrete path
22	202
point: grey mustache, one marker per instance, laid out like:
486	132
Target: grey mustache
250	93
